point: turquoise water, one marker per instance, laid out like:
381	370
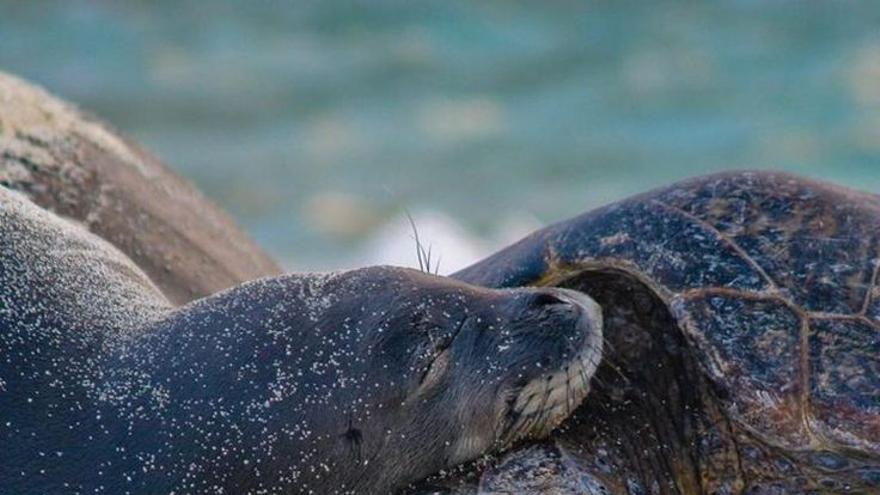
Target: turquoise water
317	123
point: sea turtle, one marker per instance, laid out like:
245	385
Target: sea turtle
742	323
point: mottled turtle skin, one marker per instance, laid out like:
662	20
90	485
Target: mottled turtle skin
742	318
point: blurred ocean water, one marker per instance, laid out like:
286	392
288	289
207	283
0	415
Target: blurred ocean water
318	123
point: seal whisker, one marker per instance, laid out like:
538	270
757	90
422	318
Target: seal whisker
420	250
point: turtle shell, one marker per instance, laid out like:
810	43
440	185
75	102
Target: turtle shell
771	278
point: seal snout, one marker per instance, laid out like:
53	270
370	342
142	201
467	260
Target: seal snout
590	308
564	332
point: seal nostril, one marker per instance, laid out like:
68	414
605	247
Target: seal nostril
546	299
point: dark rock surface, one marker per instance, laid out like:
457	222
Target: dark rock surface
78	167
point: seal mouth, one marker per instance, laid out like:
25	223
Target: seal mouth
543	403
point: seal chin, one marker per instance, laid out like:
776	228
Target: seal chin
534	410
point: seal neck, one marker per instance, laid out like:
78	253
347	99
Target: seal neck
220	373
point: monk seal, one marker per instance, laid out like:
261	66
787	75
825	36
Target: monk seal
353	382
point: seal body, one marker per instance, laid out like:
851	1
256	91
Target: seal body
354	382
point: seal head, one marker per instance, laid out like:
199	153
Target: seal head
471	370
386	375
